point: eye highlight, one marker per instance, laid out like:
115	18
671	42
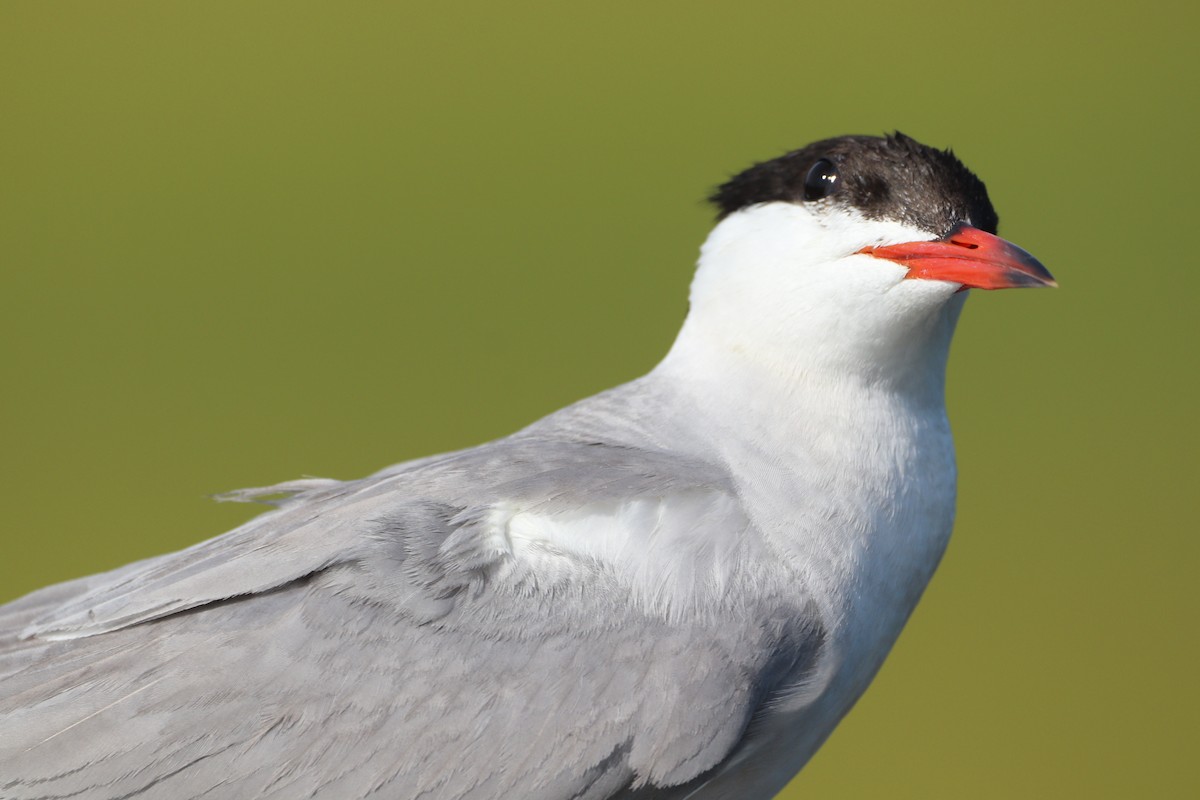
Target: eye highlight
821	180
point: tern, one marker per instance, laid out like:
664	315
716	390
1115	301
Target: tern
673	589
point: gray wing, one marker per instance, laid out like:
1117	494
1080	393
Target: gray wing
376	639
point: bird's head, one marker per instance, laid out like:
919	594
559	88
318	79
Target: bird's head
852	252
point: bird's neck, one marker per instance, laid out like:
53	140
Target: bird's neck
849	474
808	376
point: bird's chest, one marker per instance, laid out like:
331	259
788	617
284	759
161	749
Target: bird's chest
860	515
861	528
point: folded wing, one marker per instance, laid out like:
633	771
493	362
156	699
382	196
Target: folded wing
524	620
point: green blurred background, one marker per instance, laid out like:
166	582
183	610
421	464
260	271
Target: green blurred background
242	242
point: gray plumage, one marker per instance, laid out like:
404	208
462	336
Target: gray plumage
672	590
351	644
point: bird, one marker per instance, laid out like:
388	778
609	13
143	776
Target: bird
674	589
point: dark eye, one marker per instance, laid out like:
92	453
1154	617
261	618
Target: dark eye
821	180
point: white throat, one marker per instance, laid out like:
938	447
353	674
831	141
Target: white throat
820	373
783	286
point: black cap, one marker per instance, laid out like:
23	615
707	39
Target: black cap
893	177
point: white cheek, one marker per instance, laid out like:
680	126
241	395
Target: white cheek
848	231
780	259
786	283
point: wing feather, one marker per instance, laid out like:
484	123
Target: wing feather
387	638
